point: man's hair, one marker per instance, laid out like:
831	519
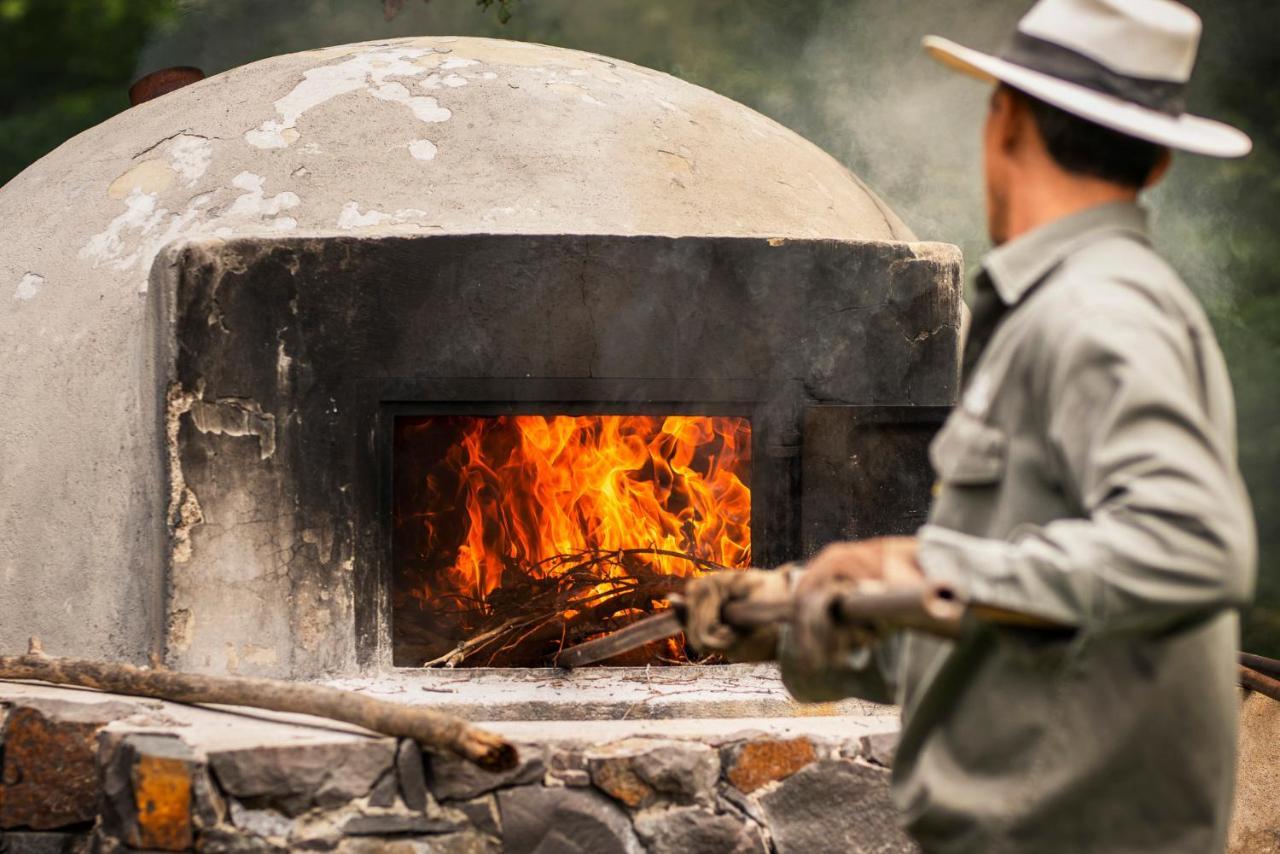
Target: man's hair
1084	148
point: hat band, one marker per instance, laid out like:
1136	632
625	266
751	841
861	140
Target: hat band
1037	54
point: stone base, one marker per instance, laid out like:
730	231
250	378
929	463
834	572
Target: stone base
136	774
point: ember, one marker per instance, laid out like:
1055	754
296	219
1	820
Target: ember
517	535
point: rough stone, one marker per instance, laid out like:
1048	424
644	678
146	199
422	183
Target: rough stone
482	813
228	839
755	763
563	821
397	823
149	791
567	767
294	778
464	842
834	806
640	771
48	778
879	748
267	823
450	778
385	791
411	775
37	842
697	830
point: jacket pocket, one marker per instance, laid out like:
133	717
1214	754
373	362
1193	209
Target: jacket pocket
969	452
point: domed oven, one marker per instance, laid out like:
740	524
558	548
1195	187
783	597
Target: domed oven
404	365
444	351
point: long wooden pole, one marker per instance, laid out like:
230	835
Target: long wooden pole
429	728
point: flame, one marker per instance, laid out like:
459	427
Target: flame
524	491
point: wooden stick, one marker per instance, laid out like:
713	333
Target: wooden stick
427	727
1260	682
1266	666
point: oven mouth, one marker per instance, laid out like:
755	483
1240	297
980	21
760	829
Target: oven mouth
517	530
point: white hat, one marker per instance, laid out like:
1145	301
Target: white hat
1123	64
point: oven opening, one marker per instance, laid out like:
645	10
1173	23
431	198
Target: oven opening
516	535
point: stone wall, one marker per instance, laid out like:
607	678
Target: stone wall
116	774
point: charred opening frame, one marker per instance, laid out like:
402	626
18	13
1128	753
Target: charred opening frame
286	361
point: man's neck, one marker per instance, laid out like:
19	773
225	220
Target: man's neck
1056	197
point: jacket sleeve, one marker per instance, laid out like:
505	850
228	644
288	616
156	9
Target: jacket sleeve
869	673
1166	533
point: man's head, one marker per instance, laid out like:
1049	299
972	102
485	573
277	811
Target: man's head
1042	162
1116	73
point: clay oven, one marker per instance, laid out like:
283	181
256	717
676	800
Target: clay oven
349	358
448	351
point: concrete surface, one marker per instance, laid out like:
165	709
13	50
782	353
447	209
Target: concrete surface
434	135
215	728
624	695
1255	823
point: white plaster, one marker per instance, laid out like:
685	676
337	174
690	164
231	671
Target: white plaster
134	238
29	286
458	62
350	217
453	81
423	149
489	75
369	70
254	202
424	107
190	157
139	214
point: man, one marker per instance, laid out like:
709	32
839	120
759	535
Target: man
1088	478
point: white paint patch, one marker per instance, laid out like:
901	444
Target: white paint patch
424	107
134	238
423	149
458	62
350	217
453	81
489	75
370	71
190	157
29	286
254	204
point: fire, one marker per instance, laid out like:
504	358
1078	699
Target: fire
514	503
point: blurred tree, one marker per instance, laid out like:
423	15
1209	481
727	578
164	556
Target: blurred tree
66	65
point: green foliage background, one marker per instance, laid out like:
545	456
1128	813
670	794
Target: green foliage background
847	74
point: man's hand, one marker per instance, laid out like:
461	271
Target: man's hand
705	599
883	564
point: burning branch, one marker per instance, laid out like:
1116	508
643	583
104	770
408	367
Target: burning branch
562	603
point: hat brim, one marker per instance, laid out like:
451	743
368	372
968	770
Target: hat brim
1185	132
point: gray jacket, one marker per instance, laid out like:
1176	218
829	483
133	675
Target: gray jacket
1088	476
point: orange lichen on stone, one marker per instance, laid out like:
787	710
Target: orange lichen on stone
759	762
617	778
162	796
49	779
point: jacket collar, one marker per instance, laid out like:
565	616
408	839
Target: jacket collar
1025	260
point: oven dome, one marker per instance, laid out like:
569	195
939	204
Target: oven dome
414	136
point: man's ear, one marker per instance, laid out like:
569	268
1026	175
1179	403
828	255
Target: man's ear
1159	170
1009	114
